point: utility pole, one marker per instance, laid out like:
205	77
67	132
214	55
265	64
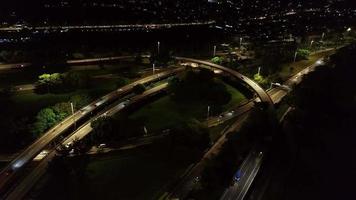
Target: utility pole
208	115
295	56
158	47
72	107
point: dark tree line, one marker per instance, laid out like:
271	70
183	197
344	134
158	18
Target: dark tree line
201	87
317	144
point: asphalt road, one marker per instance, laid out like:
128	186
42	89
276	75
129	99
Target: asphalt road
30	152
6	67
248	170
190	180
29	181
252	164
254	86
276	94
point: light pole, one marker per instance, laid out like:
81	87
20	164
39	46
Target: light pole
241	41
72	108
311	43
259	70
322	36
214	53
295	55
153	68
208	112
158	46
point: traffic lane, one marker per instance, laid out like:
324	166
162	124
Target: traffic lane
215	121
244	172
29	180
54	132
189	181
258	89
14	66
228	194
253	170
240	188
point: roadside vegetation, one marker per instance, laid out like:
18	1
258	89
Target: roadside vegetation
317	135
219	171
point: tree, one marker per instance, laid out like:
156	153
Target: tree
122	81
75	80
201	87
217	60
45	119
139	89
192	135
80	101
62	110
303	54
103	128
49	82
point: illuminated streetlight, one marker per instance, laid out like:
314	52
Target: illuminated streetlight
208	112
295	56
349	29
311	43
72	108
158	46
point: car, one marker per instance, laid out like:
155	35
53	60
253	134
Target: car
237	176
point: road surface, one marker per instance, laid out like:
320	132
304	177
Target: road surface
189	180
30	152
29	181
276	94
253	162
249	170
253	85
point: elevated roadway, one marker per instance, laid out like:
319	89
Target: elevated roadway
30	152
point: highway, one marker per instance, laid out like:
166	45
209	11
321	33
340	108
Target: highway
188	182
6	67
29	181
30	152
253	85
276	94
248	170
252	163
127	27
12	66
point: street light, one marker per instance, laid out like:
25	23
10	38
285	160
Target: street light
311	43
158	46
72	108
240	41
322	36
214	51
153	68
349	29
259	70
208	112
295	55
